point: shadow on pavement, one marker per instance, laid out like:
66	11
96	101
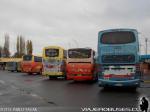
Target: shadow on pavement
82	82
53	79
119	90
26	74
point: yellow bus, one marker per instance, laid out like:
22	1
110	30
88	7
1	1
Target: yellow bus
54	62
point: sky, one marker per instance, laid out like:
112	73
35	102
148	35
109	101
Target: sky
71	23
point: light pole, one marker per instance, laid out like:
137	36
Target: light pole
146	40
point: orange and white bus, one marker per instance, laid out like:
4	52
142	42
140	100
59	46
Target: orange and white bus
31	64
81	64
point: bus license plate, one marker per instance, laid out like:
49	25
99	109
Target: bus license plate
118	84
79	75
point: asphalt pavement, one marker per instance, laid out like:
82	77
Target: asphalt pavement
21	90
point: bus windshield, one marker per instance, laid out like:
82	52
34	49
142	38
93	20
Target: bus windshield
79	53
27	57
52	52
119	37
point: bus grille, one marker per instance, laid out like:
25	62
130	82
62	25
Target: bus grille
118	58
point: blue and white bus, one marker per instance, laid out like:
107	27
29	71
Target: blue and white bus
118	58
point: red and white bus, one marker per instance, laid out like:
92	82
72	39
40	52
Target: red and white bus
80	64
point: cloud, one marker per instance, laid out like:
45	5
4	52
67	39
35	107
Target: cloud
70	23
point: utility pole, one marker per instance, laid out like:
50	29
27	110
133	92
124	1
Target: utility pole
140	46
146	40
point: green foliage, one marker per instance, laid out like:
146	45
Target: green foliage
20	47
29	47
6	52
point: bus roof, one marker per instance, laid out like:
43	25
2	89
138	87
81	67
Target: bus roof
10	59
57	47
81	48
118	29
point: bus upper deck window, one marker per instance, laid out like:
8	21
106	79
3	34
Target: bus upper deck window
118	37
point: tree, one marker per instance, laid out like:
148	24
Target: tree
20	47
29	47
17	54
1	49
6	51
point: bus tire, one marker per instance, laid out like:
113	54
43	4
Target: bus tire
96	78
52	77
65	77
40	72
133	89
29	73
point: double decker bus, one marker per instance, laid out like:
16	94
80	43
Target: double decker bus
80	64
54	62
118	58
31	64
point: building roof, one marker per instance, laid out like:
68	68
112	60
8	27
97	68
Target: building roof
10	59
145	58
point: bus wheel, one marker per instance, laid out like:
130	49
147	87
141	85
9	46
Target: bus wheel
95	79
30	73
40	73
65	77
51	77
133	89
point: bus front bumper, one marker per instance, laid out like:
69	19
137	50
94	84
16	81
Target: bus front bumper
79	78
53	73
30	71
111	83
